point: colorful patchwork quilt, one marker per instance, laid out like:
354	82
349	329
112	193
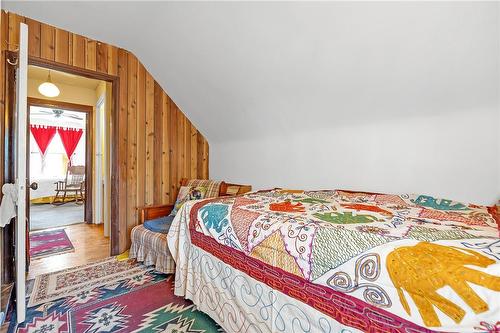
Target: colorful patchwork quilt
412	262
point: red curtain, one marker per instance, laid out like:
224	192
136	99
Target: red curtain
70	138
43	136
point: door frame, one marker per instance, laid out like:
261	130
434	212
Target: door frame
89	138
8	235
8	253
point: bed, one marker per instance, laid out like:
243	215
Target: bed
339	261
149	247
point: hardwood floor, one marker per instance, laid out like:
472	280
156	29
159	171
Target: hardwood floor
90	245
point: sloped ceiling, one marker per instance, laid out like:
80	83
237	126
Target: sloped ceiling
241	70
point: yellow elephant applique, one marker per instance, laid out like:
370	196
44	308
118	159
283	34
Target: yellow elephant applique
424	268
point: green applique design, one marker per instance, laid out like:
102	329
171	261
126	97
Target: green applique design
345	218
311	201
443	204
334	246
431	234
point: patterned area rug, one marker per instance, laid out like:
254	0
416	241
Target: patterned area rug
139	303
75	280
50	242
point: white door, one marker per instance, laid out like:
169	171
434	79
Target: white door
20	170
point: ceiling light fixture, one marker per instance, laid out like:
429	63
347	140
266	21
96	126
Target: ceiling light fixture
48	89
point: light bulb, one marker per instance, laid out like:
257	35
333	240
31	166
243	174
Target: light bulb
48	89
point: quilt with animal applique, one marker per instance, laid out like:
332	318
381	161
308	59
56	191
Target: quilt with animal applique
414	262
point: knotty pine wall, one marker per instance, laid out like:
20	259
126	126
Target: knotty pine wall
157	145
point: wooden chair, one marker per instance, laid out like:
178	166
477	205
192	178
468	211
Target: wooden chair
74	184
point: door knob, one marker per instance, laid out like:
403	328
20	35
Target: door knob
34	186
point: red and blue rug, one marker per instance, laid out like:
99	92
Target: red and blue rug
49	242
142	303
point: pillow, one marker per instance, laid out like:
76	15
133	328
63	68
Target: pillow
187	193
161	225
213	187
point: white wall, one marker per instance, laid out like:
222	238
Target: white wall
450	156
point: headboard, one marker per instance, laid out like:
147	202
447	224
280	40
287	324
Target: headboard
226	189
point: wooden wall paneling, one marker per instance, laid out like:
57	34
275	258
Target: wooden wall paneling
157	170
132	143
13	35
101	57
184	154
112	59
193	163
150	132
204	160
206	156
33	37
173	152
199	159
141	135
122	121
79	51
181	144
70	49
90	56
187	147
62	44
48	42
165	150
4	32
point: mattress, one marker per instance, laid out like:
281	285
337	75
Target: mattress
349	261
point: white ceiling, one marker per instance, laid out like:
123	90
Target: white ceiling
241	70
41	74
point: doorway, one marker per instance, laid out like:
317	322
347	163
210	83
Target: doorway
62	171
57	147
15	133
87	233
